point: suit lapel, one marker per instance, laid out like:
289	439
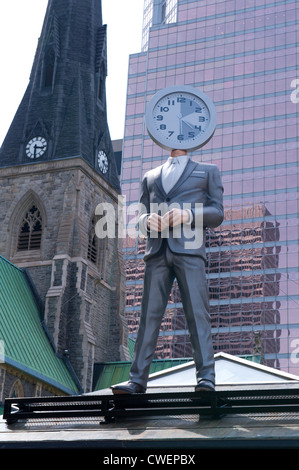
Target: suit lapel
185	175
158	181
191	165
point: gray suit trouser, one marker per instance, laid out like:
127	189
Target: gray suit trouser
160	272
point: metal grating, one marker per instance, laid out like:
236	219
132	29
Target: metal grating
112	407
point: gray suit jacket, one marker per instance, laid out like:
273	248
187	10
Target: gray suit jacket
198	189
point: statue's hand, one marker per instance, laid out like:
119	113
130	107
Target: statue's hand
156	223
176	217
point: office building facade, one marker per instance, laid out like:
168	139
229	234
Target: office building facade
244	56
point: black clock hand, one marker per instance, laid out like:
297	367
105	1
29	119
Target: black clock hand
36	147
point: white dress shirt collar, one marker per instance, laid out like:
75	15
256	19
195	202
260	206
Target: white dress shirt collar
181	160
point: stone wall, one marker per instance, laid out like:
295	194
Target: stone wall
84	301
14	382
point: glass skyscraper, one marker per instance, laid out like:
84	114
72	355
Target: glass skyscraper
244	55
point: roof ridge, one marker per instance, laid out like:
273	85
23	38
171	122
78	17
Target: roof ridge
2	258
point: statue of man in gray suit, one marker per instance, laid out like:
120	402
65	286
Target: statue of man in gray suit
178	200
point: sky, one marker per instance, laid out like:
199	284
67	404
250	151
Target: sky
20	27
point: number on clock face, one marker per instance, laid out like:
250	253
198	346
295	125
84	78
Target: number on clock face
180	118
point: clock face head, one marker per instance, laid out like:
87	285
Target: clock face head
102	161
181	117
36	147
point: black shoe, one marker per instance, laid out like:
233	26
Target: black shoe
131	388
205	386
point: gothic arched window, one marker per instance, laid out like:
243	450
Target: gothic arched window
16	390
30	233
97	248
92	253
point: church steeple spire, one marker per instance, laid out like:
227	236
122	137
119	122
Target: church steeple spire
63	111
54	173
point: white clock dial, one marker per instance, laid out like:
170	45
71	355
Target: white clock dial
36	147
180	118
103	161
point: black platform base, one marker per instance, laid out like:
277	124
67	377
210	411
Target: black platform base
267	399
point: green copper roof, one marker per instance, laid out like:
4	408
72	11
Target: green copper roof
25	344
116	372
111	373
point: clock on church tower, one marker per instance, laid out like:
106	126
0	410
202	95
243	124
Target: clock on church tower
36	147
103	162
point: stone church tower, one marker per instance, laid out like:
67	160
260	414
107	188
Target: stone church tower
56	166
